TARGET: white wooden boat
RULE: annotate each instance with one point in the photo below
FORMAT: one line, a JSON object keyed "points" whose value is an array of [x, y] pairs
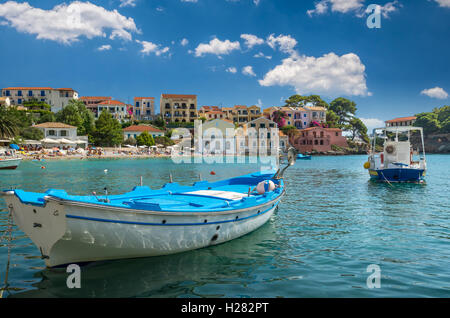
{"points": [[9, 163], [144, 222]]}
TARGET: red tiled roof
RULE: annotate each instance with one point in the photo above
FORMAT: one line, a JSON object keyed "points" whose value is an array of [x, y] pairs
{"points": [[142, 128], [38, 88], [317, 127], [240, 106], [401, 119], [53, 125], [215, 112], [139, 98], [111, 102], [28, 88], [178, 96], [96, 97]]}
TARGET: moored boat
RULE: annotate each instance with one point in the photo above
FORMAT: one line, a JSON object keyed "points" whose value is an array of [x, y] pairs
{"points": [[301, 156], [144, 222], [396, 163], [10, 163]]}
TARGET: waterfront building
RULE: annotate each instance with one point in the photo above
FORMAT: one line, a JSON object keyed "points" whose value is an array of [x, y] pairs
{"points": [[144, 108], [117, 109], [261, 133], [239, 114], [57, 98], [91, 102], [215, 139], [61, 134], [178, 108], [299, 117], [317, 138], [136, 130], [401, 121]]}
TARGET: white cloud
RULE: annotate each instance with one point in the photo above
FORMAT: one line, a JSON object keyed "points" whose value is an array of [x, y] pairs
{"points": [[67, 23], [443, 3], [184, 42], [127, 3], [217, 47], [105, 47], [231, 69], [261, 55], [329, 75], [346, 6], [256, 2], [286, 43], [251, 40], [248, 70], [385, 10], [436, 92], [342, 6], [372, 123], [260, 104], [149, 47]]}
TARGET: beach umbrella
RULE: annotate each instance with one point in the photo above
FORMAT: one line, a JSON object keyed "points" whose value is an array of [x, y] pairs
{"points": [[66, 141], [50, 141], [14, 146]]}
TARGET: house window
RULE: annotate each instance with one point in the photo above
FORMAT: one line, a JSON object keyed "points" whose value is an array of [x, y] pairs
{"points": [[19, 93], [63, 133], [337, 134], [8, 93], [30, 93], [42, 93], [321, 142], [51, 133], [304, 115], [262, 126], [137, 104], [19, 101]]}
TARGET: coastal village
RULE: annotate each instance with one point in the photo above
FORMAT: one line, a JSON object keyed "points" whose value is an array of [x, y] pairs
{"points": [[306, 122]]}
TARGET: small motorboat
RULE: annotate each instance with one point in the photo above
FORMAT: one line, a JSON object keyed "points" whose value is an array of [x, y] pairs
{"points": [[301, 156], [144, 222], [396, 163], [10, 163]]}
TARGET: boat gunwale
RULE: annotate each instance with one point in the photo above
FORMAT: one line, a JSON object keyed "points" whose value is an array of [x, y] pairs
{"points": [[117, 209]]}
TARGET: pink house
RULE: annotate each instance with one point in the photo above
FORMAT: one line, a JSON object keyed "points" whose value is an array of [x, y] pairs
{"points": [[318, 139]]}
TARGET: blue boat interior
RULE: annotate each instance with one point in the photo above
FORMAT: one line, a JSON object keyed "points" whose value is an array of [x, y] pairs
{"points": [[206, 196]]}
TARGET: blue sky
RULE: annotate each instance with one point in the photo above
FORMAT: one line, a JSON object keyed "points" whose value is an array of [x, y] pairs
{"points": [[234, 52]]}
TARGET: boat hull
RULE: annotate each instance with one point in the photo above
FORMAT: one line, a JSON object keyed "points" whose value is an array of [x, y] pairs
{"points": [[397, 175], [9, 164], [85, 233]]}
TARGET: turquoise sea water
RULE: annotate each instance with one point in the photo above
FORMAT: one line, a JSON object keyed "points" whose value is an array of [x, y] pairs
{"points": [[331, 225]]}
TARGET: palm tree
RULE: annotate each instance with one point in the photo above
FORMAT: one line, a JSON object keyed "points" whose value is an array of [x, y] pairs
{"points": [[8, 125]]}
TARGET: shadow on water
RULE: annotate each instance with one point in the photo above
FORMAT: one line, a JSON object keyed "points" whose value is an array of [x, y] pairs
{"points": [[164, 276]]}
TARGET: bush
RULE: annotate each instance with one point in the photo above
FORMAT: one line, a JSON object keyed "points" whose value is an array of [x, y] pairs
{"points": [[32, 133], [163, 140], [145, 139]]}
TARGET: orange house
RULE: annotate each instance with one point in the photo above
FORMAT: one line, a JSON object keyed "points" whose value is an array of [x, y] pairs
{"points": [[317, 138]]}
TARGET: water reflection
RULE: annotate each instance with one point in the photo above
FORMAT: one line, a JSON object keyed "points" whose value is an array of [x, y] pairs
{"points": [[165, 276]]}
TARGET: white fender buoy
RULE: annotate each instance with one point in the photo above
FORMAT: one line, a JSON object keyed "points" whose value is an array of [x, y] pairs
{"points": [[265, 186], [105, 171]]}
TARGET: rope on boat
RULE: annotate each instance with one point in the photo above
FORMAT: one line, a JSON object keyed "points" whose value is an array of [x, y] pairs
{"points": [[9, 239], [386, 179]]}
